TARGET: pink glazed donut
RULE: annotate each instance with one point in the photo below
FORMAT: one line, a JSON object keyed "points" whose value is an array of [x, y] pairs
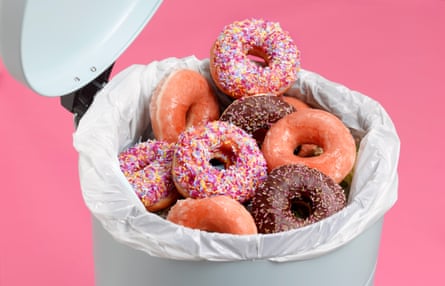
{"points": [[314, 127], [237, 75], [183, 98], [215, 214]]}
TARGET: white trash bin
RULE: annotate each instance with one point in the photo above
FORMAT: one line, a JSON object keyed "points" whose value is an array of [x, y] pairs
{"points": [[135, 247], [351, 264]]}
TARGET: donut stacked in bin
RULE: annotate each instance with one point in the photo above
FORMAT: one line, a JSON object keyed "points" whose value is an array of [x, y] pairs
{"points": [[266, 163]]}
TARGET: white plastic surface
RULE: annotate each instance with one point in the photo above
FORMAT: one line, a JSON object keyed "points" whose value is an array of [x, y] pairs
{"points": [[56, 47], [119, 117]]}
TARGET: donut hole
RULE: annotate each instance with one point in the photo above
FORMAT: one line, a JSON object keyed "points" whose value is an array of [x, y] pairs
{"points": [[258, 57], [217, 163], [188, 115], [223, 158], [308, 150], [301, 207], [191, 117]]}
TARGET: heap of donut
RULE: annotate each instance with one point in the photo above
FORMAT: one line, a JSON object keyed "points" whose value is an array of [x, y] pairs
{"points": [[266, 163]]}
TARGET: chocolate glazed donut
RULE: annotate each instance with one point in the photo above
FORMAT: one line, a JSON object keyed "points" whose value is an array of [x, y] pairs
{"points": [[293, 196], [255, 114]]}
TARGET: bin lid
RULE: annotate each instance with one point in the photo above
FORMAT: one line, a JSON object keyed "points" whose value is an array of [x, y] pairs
{"points": [[57, 47]]}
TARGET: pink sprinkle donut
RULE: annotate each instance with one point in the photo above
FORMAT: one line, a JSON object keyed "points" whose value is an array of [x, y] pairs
{"points": [[147, 167], [237, 75], [200, 149]]}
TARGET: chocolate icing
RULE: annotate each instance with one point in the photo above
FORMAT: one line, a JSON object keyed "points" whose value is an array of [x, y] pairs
{"points": [[255, 114], [293, 196]]}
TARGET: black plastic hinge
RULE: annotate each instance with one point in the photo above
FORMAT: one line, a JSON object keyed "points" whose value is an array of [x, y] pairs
{"points": [[79, 101]]}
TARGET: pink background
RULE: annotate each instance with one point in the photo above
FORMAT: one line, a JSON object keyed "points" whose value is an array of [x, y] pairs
{"points": [[392, 51]]}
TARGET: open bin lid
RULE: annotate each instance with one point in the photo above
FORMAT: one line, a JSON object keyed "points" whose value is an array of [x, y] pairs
{"points": [[57, 47]]}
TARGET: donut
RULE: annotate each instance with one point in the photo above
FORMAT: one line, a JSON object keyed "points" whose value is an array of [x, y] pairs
{"points": [[311, 126], [294, 196], [304, 150], [254, 56], [183, 98], [147, 167], [218, 158], [255, 114], [215, 214]]}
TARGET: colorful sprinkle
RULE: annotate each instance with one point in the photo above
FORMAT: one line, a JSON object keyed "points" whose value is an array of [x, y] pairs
{"points": [[239, 76], [147, 167], [244, 165]]}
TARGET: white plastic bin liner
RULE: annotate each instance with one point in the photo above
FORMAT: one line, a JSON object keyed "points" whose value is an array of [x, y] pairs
{"points": [[119, 117]]}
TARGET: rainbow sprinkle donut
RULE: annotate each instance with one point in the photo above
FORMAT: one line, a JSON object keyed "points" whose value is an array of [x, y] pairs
{"points": [[237, 75], [218, 158], [147, 167]]}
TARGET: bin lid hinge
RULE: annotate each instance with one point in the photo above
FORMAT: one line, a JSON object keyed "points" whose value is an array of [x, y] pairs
{"points": [[80, 100]]}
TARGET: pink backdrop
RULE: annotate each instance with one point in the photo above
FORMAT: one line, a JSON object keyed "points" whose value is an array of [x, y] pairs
{"points": [[392, 51]]}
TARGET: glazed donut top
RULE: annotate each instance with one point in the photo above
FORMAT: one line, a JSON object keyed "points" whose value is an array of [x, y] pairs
{"points": [[256, 37]]}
